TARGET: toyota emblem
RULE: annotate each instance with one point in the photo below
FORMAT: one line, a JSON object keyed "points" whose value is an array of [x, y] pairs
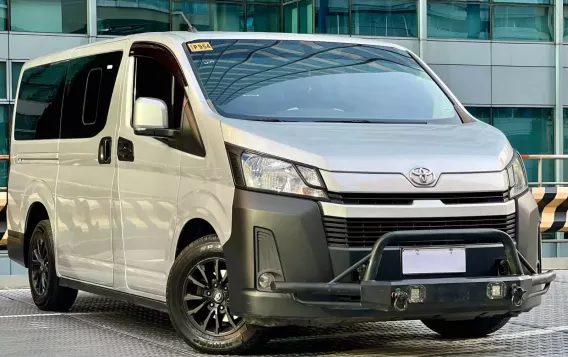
{"points": [[422, 176]]}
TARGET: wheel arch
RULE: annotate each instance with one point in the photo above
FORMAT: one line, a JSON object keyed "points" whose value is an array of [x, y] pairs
{"points": [[37, 212], [192, 230], [38, 204]]}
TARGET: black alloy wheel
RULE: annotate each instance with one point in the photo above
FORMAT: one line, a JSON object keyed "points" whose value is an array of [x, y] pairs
{"points": [[206, 294], [199, 305], [40, 264]]}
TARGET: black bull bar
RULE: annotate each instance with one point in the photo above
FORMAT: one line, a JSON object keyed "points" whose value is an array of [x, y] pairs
{"points": [[506, 292]]}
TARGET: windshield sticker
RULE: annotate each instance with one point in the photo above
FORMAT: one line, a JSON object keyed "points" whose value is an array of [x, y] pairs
{"points": [[200, 46]]}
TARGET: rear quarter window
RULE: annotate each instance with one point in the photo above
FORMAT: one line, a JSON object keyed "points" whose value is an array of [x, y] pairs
{"points": [[38, 106]]}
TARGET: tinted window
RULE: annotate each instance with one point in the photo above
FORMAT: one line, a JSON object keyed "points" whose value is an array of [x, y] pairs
{"points": [[318, 81], [156, 80], [38, 108], [90, 84]]}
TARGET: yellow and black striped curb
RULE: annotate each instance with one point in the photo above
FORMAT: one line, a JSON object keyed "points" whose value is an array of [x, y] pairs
{"points": [[552, 204]]}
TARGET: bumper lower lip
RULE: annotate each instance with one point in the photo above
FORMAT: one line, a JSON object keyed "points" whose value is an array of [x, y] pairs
{"points": [[438, 295]]}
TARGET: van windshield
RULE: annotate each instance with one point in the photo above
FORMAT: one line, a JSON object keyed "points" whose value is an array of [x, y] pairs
{"points": [[291, 80]]}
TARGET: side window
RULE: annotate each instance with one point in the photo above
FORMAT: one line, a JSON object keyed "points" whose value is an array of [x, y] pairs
{"points": [[38, 108], [90, 85], [158, 76], [156, 80]]}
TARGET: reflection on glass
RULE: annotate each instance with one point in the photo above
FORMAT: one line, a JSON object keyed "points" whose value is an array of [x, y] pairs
{"points": [[263, 18], [3, 15], [530, 131], [58, 16], [523, 23], [306, 14], [208, 16], [3, 89], [384, 18], [16, 69], [332, 16], [465, 21], [546, 2], [565, 22], [315, 81], [124, 17], [481, 113]]}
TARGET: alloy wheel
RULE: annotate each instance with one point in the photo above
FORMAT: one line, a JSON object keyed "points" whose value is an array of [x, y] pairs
{"points": [[40, 265], [206, 298]]}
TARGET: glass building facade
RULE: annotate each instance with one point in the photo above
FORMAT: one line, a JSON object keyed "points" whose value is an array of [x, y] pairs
{"points": [[506, 60]]}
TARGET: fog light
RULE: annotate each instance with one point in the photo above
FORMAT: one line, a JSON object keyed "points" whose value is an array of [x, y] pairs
{"points": [[265, 279], [496, 290], [416, 294]]}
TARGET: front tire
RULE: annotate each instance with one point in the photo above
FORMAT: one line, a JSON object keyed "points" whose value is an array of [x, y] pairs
{"points": [[47, 294], [199, 305], [474, 328]]}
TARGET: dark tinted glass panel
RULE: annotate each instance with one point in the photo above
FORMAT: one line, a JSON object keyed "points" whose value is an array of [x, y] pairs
{"points": [[263, 18], [481, 113], [156, 80], [3, 88], [530, 131], [89, 91], [384, 18], [291, 18], [92, 93], [523, 23], [208, 16], [16, 69], [565, 22], [3, 15], [59, 16], [315, 81], [4, 143], [38, 108], [306, 16], [547, 2], [124, 17], [332, 16], [467, 21]]}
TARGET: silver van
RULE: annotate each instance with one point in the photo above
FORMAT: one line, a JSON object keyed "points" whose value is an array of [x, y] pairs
{"points": [[241, 181]]}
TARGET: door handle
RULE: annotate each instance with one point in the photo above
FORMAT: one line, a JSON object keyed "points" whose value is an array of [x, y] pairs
{"points": [[125, 150], [105, 148]]}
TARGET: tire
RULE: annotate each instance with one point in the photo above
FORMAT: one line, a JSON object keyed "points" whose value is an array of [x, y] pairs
{"points": [[474, 328], [209, 304], [47, 294]]}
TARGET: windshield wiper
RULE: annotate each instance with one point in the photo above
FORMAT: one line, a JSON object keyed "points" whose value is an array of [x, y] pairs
{"points": [[382, 121]]}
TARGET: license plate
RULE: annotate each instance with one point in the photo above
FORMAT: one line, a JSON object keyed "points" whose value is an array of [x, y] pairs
{"points": [[433, 260]]}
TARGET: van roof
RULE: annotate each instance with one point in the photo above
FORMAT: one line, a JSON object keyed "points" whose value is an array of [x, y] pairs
{"points": [[184, 36]]}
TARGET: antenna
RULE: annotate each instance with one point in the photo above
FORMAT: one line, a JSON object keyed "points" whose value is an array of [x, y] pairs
{"points": [[191, 28]]}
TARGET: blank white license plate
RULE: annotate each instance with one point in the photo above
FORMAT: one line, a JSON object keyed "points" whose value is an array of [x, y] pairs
{"points": [[433, 260]]}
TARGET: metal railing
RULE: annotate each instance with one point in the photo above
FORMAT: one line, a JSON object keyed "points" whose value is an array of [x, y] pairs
{"points": [[539, 158], [541, 183]]}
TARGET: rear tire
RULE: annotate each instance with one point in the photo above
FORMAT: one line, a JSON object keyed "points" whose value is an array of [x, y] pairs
{"points": [[47, 294], [474, 328], [198, 302]]}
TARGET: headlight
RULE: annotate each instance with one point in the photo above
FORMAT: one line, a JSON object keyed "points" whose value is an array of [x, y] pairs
{"points": [[270, 174], [518, 182]]}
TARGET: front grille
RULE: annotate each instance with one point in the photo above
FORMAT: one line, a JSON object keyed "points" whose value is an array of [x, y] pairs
{"points": [[452, 198], [364, 232]]}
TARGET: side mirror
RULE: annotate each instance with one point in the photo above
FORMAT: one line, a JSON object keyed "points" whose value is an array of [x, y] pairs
{"points": [[151, 118]]}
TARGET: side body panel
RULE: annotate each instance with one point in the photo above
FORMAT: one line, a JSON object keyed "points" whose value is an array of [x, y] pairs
{"points": [[83, 199]]}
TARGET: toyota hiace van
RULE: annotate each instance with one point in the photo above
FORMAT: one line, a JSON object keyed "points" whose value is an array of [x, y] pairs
{"points": [[240, 181]]}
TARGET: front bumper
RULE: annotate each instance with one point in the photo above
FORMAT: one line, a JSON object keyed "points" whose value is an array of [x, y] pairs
{"points": [[286, 236], [506, 293]]}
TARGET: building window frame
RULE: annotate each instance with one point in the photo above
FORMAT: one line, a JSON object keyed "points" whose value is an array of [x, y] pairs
{"points": [[9, 77], [492, 4]]}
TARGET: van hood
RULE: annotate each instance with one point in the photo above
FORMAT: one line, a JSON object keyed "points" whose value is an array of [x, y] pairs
{"points": [[376, 148]]}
